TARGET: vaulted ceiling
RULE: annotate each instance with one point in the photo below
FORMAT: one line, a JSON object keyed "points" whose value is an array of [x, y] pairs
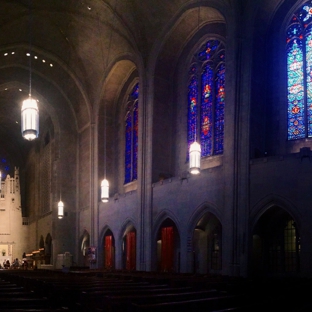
{"points": [[73, 43]]}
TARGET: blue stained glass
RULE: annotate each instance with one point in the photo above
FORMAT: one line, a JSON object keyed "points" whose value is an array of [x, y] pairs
{"points": [[135, 92], [208, 50], [305, 13], [296, 110], [206, 111], [135, 142], [128, 131], [294, 31], [299, 73], [219, 110], [309, 78], [131, 136], [192, 108], [211, 81], [5, 167]]}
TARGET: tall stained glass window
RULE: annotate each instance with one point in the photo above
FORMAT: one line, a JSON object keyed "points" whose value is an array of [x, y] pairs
{"points": [[5, 167], [206, 95], [131, 136], [299, 73]]}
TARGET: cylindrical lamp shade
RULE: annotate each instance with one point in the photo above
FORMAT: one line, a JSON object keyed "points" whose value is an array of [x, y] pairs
{"points": [[30, 119], [104, 191], [194, 156], [60, 210]]}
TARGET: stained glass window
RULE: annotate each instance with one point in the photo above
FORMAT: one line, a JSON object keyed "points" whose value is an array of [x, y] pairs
{"points": [[5, 167], [131, 136], [299, 73], [206, 113]]}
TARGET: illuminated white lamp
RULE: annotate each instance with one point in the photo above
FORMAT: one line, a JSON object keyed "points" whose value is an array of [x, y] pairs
{"points": [[104, 191], [60, 210], [30, 119], [194, 156]]}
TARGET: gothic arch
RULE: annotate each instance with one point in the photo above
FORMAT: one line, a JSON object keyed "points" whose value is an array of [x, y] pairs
{"points": [[128, 245], [205, 239], [46, 87], [166, 245], [199, 212], [108, 245], [85, 241], [269, 201], [275, 239], [162, 216], [120, 74], [202, 18], [127, 225], [100, 246]]}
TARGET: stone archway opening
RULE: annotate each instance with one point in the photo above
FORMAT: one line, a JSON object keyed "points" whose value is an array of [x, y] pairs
{"points": [[207, 245], [109, 250], [276, 244], [129, 249], [168, 247]]}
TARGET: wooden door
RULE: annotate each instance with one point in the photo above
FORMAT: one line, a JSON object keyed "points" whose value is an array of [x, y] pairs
{"points": [[108, 252], [167, 249], [130, 251]]}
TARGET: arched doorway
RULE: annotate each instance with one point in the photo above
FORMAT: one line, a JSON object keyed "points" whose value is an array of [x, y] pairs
{"points": [[109, 250], [168, 247], [129, 249], [207, 245], [275, 244], [85, 244]]}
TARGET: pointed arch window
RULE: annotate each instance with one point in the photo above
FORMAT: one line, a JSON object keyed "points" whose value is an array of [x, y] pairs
{"points": [[131, 136], [206, 98], [299, 73]]}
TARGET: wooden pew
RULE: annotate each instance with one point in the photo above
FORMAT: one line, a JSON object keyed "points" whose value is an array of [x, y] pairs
{"points": [[124, 302], [96, 299], [203, 304]]}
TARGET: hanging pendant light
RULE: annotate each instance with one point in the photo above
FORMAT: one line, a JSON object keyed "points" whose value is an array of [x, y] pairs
{"points": [[195, 149], [104, 191], [104, 183], [194, 156], [30, 119], [60, 205], [30, 112], [60, 210]]}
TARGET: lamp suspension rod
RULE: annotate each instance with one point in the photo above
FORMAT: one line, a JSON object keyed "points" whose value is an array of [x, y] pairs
{"points": [[106, 66], [105, 121], [60, 170], [30, 44], [198, 22]]}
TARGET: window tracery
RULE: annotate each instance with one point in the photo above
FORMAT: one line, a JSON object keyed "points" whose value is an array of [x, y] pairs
{"points": [[206, 98], [299, 73], [131, 136]]}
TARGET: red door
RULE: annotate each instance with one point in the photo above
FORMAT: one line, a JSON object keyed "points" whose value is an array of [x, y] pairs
{"points": [[167, 251], [108, 251], [130, 251]]}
